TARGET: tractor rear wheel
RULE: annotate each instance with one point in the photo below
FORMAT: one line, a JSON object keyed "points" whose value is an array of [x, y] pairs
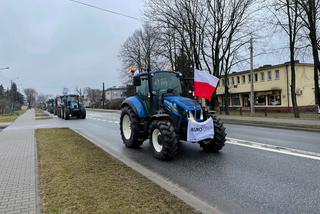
{"points": [[218, 142], [62, 114], [163, 139], [66, 114], [130, 128]]}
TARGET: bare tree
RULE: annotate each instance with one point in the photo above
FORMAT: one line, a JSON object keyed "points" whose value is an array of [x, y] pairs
{"points": [[31, 96], [142, 49], [42, 98], [311, 17], [287, 14], [93, 96]]}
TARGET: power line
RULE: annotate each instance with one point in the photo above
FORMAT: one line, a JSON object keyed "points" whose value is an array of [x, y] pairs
{"points": [[105, 10]]}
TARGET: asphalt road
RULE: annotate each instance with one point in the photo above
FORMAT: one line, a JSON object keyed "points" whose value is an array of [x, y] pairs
{"points": [[238, 179]]}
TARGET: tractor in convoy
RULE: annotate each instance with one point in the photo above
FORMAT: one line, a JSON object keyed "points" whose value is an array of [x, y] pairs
{"points": [[159, 113], [50, 106], [70, 106], [57, 106]]}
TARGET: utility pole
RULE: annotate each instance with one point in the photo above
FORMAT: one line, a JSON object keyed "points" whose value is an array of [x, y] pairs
{"points": [[103, 95], [252, 79], [11, 96]]}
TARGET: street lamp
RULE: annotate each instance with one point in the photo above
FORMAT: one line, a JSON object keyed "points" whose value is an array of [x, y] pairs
{"points": [[5, 68]]}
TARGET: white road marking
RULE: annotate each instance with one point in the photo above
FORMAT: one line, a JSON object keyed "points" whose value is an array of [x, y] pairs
{"points": [[273, 148], [238, 142], [111, 120]]}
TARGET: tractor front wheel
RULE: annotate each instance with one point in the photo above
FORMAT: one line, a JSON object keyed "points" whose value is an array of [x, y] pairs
{"points": [[130, 128], [218, 142], [83, 113], [163, 139]]}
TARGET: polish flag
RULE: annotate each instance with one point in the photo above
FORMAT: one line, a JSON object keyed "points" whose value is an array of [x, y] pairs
{"points": [[205, 84]]}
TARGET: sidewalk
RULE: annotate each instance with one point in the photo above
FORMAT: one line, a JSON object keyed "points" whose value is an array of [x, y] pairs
{"points": [[18, 189], [276, 122]]}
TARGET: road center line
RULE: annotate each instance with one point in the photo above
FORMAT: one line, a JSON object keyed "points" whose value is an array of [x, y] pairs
{"points": [[273, 148]]}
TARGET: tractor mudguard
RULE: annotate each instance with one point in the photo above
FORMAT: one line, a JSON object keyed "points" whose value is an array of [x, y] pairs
{"points": [[136, 105]]}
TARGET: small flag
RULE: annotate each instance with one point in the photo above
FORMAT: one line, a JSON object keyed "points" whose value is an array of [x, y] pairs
{"points": [[205, 84]]}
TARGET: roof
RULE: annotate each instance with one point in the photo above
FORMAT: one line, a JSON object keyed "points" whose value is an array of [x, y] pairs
{"points": [[268, 67], [118, 88]]}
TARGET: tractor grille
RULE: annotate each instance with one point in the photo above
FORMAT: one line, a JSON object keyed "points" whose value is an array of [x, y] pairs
{"points": [[196, 114]]}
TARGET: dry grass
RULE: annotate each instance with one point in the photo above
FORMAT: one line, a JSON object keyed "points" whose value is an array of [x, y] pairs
{"points": [[41, 115], [78, 177], [303, 116], [7, 118]]}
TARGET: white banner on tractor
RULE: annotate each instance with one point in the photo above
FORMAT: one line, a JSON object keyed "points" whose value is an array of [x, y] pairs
{"points": [[198, 131]]}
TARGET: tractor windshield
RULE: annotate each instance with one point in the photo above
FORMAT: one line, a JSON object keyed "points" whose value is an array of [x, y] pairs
{"points": [[72, 98], [166, 82]]}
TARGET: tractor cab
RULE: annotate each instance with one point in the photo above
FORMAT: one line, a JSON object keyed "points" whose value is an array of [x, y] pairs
{"points": [[71, 107], [166, 95], [160, 113], [72, 101], [50, 106], [162, 84]]}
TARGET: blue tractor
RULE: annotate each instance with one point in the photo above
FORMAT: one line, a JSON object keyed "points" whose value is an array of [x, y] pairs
{"points": [[159, 113]]}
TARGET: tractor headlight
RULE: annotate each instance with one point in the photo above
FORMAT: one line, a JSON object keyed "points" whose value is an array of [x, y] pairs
{"points": [[201, 116], [191, 116]]}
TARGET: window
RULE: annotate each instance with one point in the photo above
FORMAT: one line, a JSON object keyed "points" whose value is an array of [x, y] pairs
{"points": [[277, 75], [262, 76], [274, 99], [249, 78], [232, 80], [235, 99], [256, 77], [142, 90], [261, 100], [244, 79], [238, 80], [228, 82], [269, 76]]}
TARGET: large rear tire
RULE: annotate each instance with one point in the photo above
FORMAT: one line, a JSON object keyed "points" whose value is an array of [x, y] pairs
{"points": [[218, 142], [62, 114], [163, 139], [66, 114], [130, 128]]}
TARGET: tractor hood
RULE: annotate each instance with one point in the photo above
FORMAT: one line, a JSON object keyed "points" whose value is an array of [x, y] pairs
{"points": [[183, 102]]}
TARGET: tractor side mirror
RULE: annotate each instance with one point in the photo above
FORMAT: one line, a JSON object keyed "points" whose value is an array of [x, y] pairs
{"points": [[136, 81]]}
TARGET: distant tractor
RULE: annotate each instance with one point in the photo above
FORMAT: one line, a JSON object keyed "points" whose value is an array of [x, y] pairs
{"points": [[57, 106], [71, 107], [159, 113], [50, 106]]}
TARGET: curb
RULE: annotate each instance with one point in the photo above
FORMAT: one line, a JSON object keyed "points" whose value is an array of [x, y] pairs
{"points": [[37, 179], [270, 125], [4, 125], [173, 188]]}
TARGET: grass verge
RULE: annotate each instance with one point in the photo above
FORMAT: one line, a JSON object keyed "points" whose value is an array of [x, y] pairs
{"points": [[275, 125], [303, 116], [41, 115], [7, 118], [78, 177]]}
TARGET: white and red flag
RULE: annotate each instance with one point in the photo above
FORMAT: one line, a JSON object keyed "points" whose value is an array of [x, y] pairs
{"points": [[205, 84]]}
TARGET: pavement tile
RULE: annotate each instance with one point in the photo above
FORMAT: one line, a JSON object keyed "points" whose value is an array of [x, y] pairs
{"points": [[18, 193]]}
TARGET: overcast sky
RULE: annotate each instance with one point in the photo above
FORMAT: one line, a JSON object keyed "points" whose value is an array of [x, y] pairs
{"points": [[50, 45]]}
